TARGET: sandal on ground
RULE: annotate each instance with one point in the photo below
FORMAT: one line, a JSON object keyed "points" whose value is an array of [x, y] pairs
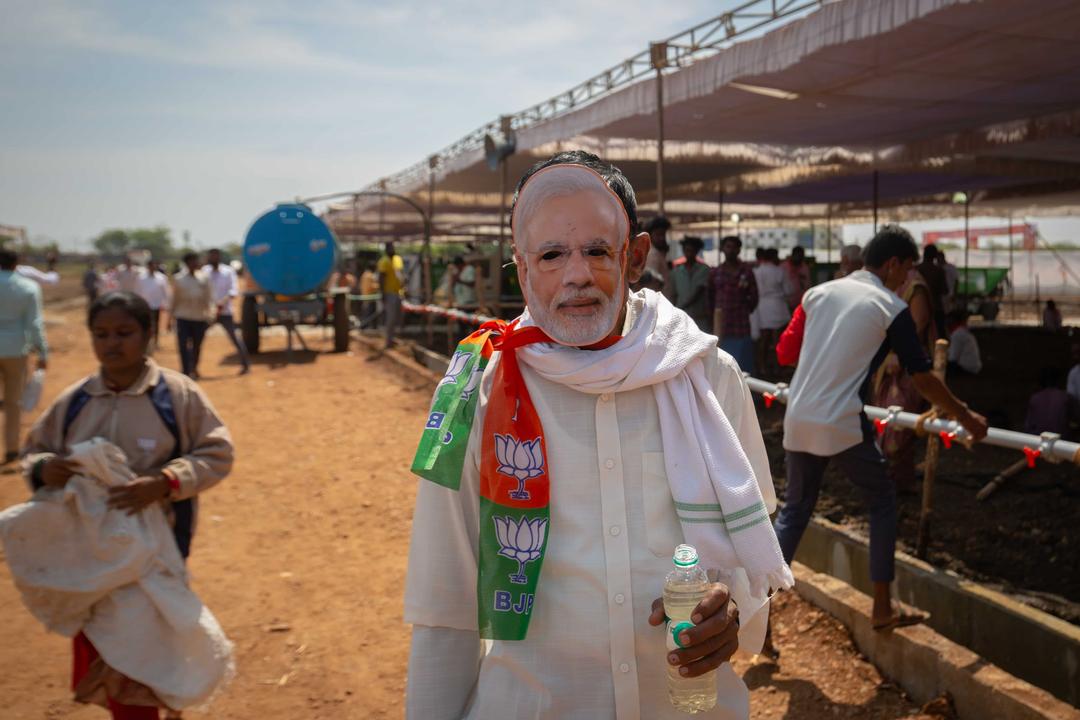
{"points": [[901, 619], [770, 653]]}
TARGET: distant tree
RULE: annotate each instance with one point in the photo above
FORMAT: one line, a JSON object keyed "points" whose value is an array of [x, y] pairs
{"points": [[157, 240], [113, 242], [233, 251]]}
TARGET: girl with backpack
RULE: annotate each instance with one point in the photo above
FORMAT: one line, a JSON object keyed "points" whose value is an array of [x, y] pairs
{"points": [[174, 440]]}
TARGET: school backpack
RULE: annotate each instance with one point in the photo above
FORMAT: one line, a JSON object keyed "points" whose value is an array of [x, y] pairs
{"points": [[161, 399]]}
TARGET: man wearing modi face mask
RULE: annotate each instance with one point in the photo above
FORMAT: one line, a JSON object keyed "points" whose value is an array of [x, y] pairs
{"points": [[568, 452]]}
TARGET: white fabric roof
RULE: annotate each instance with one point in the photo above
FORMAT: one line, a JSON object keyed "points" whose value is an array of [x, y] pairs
{"points": [[868, 74], [938, 95]]}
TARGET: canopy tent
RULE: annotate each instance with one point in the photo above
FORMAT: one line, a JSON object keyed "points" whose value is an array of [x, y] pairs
{"points": [[927, 97], [863, 74]]}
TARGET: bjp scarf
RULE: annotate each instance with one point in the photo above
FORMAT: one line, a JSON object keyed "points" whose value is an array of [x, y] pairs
{"points": [[514, 490]]}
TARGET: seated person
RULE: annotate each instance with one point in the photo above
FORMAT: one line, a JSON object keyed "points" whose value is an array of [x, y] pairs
{"points": [[964, 358], [1048, 409]]}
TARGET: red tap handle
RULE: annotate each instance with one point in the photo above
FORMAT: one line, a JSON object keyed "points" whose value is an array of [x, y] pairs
{"points": [[1031, 454], [769, 399], [947, 438], [880, 424]]}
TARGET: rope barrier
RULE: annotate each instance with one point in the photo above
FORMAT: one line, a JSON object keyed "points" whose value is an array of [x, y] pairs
{"points": [[1048, 446], [450, 313]]}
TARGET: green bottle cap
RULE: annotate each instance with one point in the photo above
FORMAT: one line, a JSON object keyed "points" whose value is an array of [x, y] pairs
{"points": [[677, 630], [685, 556]]}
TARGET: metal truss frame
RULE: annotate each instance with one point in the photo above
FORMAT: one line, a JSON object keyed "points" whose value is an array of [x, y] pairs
{"points": [[680, 50]]}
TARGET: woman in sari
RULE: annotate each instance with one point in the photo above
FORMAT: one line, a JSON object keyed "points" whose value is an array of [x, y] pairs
{"points": [[893, 386]]}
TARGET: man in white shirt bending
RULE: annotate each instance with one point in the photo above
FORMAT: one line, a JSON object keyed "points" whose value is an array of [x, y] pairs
{"points": [[224, 284], [838, 337], [566, 455]]}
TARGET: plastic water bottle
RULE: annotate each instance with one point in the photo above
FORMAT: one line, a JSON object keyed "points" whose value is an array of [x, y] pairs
{"points": [[684, 588]]}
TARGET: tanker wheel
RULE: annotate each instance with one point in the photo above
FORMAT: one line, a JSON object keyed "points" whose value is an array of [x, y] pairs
{"points": [[249, 324], [341, 322]]}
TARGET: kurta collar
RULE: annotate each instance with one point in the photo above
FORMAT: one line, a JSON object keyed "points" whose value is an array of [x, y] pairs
{"points": [[150, 377]]}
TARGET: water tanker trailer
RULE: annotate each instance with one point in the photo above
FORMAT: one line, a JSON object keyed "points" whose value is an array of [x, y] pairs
{"points": [[290, 253]]}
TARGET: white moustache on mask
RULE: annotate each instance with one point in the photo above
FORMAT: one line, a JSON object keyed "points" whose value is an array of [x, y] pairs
{"points": [[577, 330]]}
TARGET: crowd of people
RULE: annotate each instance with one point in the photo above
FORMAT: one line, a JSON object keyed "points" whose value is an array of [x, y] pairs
{"points": [[199, 294], [745, 304], [192, 300]]}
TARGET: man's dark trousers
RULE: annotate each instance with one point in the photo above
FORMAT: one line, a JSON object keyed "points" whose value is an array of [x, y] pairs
{"points": [[189, 338], [865, 467], [229, 324]]}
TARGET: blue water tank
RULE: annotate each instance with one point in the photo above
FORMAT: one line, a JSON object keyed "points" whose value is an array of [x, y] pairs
{"points": [[290, 250]]}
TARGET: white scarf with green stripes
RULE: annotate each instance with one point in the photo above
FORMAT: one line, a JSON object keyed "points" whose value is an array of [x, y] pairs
{"points": [[717, 496]]}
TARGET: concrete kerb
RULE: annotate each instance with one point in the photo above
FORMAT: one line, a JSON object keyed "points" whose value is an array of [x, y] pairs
{"points": [[920, 660], [927, 664], [404, 358], [1034, 646]]}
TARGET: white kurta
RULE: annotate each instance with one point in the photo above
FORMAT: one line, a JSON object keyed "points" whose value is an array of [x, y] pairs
{"points": [[774, 287], [590, 652]]}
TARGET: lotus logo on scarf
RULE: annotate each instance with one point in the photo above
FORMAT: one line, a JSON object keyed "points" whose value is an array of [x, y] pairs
{"points": [[521, 460], [474, 381], [520, 540], [457, 364]]}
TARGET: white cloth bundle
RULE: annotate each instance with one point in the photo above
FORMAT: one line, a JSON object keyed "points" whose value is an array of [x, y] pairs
{"points": [[723, 508], [119, 578]]}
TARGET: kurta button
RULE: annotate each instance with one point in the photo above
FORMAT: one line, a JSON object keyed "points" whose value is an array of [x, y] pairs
{"points": [[619, 599], [606, 397], [609, 463], [624, 668], [615, 530]]}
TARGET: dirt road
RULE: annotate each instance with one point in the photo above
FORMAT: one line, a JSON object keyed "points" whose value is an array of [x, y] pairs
{"points": [[301, 554]]}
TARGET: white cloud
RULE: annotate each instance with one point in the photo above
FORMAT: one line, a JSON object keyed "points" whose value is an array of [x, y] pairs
{"points": [[226, 39]]}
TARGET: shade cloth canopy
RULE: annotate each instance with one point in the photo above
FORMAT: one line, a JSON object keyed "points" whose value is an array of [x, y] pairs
{"points": [[932, 96]]}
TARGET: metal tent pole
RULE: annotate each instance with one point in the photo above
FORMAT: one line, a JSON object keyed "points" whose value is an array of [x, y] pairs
{"points": [[828, 234], [658, 52], [356, 232], [967, 247], [433, 161], [428, 293], [502, 237], [1012, 280], [875, 200], [720, 218]]}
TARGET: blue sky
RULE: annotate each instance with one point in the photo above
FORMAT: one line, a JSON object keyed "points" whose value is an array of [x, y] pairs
{"points": [[200, 115]]}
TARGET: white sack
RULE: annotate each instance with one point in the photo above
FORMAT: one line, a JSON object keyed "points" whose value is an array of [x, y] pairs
{"points": [[117, 577]]}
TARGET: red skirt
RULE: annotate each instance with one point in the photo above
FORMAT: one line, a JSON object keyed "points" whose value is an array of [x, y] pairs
{"points": [[83, 659]]}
